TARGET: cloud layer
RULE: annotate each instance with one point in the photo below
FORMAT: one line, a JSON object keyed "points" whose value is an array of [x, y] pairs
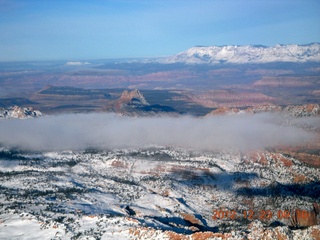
{"points": [[105, 131], [77, 63]]}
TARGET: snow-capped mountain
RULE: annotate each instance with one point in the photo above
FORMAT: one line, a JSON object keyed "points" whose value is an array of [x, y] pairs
{"points": [[247, 54]]}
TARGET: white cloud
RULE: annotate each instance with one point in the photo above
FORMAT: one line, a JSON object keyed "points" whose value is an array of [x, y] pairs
{"points": [[105, 131], [77, 63]]}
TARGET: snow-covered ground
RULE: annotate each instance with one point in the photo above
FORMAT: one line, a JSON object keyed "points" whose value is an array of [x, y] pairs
{"points": [[152, 193]]}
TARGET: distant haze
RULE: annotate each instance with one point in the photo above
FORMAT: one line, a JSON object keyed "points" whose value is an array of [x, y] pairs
{"points": [[105, 131]]}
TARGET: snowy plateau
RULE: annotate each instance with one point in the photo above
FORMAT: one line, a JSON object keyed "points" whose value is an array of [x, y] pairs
{"points": [[154, 193], [247, 54]]}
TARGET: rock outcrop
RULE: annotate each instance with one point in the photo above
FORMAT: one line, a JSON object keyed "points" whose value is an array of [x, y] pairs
{"points": [[133, 103], [134, 97], [19, 112]]}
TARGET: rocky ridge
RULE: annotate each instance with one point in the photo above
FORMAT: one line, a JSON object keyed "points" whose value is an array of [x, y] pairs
{"points": [[307, 110]]}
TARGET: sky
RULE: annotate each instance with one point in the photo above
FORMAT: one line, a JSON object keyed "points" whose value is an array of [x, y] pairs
{"points": [[104, 29]]}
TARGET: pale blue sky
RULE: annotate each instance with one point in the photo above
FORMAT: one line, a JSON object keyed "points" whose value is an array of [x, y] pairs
{"points": [[96, 29]]}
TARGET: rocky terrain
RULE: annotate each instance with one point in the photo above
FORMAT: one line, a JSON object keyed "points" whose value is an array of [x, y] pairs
{"points": [[19, 112], [227, 98], [57, 100]]}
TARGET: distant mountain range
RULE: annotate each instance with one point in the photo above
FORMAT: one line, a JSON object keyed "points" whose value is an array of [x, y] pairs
{"points": [[247, 54]]}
